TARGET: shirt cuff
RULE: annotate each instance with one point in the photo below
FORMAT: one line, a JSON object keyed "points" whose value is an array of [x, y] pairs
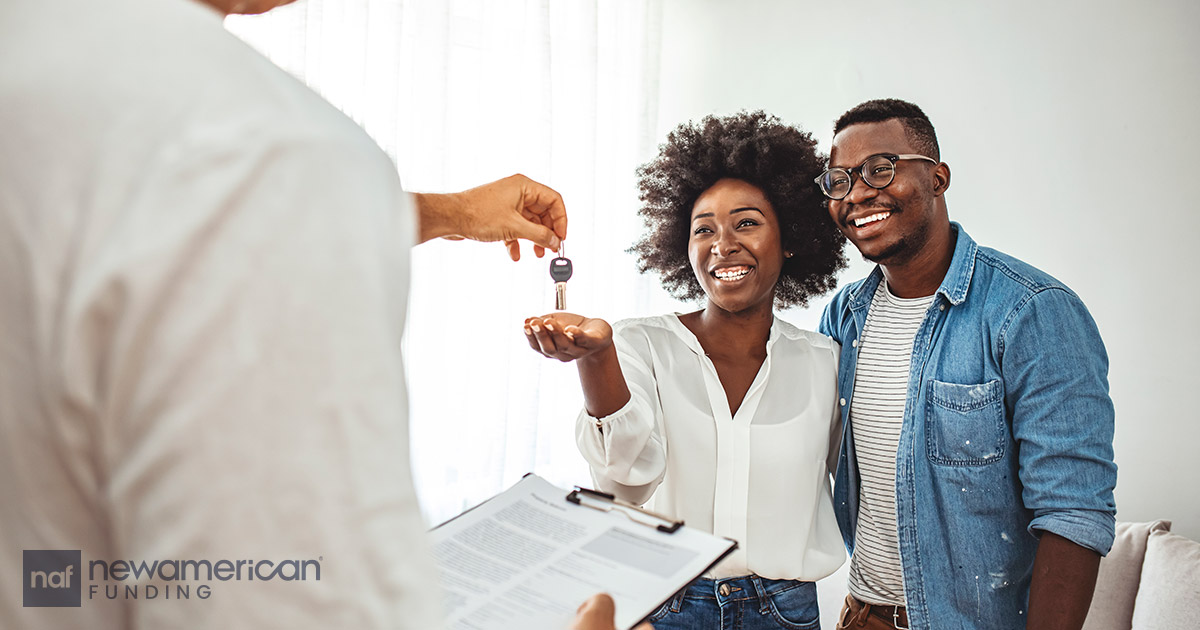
{"points": [[1086, 528], [600, 423]]}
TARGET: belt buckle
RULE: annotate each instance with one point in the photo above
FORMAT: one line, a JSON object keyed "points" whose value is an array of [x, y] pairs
{"points": [[896, 619]]}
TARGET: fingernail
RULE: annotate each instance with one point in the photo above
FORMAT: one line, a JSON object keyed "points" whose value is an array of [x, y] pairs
{"points": [[555, 242], [528, 331], [570, 335], [549, 326], [536, 328]]}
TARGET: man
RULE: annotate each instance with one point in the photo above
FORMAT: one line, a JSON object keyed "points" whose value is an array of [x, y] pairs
{"points": [[975, 481], [203, 284]]}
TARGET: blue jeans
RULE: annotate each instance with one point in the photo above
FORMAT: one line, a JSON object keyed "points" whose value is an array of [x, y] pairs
{"points": [[744, 603]]}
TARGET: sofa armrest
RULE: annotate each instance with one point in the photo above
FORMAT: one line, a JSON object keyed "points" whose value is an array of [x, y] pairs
{"points": [[1119, 578]]}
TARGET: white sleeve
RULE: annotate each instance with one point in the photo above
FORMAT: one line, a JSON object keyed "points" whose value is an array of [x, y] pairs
{"points": [[252, 392], [626, 452]]}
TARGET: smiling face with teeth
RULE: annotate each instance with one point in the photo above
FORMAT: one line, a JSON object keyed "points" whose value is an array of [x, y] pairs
{"points": [[735, 246], [895, 225]]}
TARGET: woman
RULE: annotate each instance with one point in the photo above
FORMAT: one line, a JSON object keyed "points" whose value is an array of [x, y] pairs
{"points": [[724, 417]]}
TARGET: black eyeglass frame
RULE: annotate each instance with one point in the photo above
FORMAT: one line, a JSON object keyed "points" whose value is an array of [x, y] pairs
{"points": [[893, 158]]}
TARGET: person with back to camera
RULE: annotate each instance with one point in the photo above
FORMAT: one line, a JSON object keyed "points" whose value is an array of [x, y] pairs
{"points": [[204, 276], [725, 417]]}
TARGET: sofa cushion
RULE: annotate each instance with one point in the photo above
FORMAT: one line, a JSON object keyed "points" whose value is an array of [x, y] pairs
{"points": [[1169, 596], [1120, 574]]}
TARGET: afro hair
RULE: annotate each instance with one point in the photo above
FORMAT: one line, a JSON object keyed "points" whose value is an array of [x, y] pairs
{"points": [[757, 148]]}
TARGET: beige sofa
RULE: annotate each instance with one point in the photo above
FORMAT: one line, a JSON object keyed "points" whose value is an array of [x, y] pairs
{"points": [[1149, 581]]}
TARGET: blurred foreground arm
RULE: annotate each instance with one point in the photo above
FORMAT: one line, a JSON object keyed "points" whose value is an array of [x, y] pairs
{"points": [[508, 209]]}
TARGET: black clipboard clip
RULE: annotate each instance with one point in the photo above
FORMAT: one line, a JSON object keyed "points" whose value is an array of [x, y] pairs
{"points": [[606, 502]]}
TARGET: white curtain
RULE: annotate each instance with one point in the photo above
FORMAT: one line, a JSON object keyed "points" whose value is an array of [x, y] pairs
{"points": [[460, 92]]}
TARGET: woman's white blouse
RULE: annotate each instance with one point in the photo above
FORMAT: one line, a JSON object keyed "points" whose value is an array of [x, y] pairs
{"points": [[760, 477]]}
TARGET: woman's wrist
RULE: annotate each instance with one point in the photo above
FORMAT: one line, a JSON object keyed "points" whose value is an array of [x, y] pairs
{"points": [[599, 356], [604, 389]]}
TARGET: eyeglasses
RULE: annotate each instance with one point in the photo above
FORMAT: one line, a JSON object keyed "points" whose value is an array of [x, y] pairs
{"points": [[877, 171]]}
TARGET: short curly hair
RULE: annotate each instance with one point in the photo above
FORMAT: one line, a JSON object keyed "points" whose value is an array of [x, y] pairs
{"points": [[757, 148], [916, 124]]}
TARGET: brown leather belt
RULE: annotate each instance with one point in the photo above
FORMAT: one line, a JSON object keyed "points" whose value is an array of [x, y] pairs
{"points": [[892, 616]]}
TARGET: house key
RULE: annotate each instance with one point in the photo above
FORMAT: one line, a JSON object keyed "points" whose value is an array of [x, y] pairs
{"points": [[560, 271]]}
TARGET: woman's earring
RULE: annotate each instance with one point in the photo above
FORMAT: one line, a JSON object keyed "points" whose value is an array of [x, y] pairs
{"points": [[787, 254]]}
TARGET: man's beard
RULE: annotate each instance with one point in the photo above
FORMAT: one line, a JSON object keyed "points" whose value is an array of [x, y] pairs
{"points": [[886, 255], [904, 249]]}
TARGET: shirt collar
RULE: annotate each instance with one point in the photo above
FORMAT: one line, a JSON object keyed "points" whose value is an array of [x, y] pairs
{"points": [[962, 266], [954, 286], [690, 340]]}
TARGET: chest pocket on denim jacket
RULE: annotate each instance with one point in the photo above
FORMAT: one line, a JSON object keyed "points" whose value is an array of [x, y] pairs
{"points": [[964, 424]]}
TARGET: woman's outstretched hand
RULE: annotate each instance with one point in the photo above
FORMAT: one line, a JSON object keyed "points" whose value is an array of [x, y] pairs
{"points": [[567, 336]]}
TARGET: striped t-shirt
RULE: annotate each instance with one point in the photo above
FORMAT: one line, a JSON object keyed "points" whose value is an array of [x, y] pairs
{"points": [[876, 414]]}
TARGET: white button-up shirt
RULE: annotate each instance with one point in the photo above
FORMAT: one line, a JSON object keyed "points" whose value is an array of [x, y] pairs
{"points": [[759, 476]]}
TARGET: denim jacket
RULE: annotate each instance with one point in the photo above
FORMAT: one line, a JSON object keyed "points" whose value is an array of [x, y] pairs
{"points": [[1007, 429]]}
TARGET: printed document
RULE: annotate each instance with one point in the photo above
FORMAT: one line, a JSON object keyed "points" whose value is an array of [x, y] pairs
{"points": [[527, 558]]}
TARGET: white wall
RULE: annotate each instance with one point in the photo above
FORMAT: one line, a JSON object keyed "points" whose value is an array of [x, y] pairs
{"points": [[1071, 130]]}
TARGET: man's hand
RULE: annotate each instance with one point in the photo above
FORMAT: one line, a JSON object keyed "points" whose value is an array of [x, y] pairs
{"points": [[597, 614], [512, 208]]}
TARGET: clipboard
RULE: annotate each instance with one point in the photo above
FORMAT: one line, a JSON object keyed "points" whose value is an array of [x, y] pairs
{"points": [[530, 555], [608, 502]]}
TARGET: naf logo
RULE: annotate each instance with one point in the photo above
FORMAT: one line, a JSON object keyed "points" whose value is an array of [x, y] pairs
{"points": [[53, 578]]}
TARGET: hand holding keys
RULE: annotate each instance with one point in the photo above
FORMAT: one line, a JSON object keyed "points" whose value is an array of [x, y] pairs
{"points": [[560, 271]]}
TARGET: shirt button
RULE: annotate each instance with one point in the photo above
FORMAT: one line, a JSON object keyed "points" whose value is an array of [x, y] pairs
{"points": [[724, 590], [854, 344], [941, 307], [842, 402]]}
